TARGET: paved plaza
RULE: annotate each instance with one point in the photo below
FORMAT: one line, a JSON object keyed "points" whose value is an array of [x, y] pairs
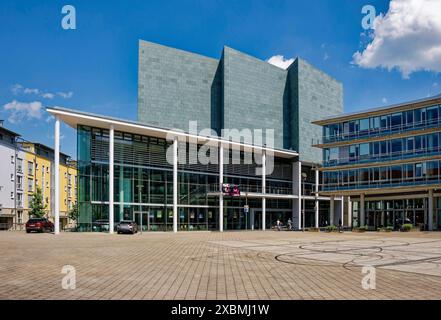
{"points": [[229, 265]]}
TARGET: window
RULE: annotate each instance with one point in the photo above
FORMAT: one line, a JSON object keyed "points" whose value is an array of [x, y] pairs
{"points": [[31, 185], [432, 115], [409, 171], [396, 146], [19, 217], [19, 165], [396, 121], [410, 145], [384, 173], [333, 155], [396, 173], [364, 150], [353, 152], [364, 125], [376, 123], [19, 182], [12, 195], [12, 159], [420, 144], [419, 117], [375, 149], [19, 200], [432, 142], [343, 155], [409, 119], [420, 170], [30, 168], [384, 150], [384, 122], [364, 176], [12, 177], [432, 170]]}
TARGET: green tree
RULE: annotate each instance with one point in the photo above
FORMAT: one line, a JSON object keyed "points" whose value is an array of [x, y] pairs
{"points": [[36, 205], [73, 213]]}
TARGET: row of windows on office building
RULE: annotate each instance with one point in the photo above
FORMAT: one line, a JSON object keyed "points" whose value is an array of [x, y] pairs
{"points": [[383, 150], [384, 124], [392, 175]]}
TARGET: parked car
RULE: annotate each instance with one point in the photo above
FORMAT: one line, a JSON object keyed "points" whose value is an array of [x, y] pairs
{"points": [[39, 225], [100, 226], [127, 226]]}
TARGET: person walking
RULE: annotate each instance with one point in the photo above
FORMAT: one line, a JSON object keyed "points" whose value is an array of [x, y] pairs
{"points": [[289, 224], [278, 225], [340, 226]]}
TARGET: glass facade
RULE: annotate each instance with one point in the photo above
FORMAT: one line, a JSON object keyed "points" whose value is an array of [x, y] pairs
{"points": [[410, 174], [386, 124], [143, 187], [403, 148], [383, 156], [391, 213]]}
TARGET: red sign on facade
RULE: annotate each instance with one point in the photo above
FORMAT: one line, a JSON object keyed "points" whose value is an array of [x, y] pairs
{"points": [[231, 190]]}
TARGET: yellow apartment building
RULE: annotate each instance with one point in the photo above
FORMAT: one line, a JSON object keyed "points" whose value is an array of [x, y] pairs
{"points": [[38, 165]]}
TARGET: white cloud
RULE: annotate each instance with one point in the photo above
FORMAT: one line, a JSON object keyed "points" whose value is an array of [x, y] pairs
{"points": [[384, 100], [17, 89], [20, 111], [31, 91], [48, 95], [65, 95], [406, 38], [280, 61]]}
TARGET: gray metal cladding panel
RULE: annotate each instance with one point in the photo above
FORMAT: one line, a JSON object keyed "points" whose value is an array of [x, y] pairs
{"points": [[175, 87], [319, 96], [253, 94]]}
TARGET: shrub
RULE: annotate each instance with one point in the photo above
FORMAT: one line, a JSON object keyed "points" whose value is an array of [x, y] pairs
{"points": [[360, 229], [407, 227], [331, 228]]}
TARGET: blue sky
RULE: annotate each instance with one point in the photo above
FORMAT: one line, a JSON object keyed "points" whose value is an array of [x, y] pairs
{"points": [[94, 68]]}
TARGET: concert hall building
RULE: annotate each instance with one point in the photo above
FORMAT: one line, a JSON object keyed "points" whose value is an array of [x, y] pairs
{"points": [[150, 170]]}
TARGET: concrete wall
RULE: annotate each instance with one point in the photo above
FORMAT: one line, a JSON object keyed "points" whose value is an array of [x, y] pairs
{"points": [[175, 87], [253, 94], [314, 95], [236, 92]]}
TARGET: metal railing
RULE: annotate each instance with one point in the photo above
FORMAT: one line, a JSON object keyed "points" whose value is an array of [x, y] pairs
{"points": [[390, 183], [399, 155], [377, 132]]}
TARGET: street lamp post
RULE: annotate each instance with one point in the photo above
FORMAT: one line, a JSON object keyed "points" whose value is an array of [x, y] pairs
{"points": [[304, 176]]}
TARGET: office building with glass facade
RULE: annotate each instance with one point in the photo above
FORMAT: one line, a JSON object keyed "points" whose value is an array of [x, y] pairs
{"points": [[135, 169], [386, 161]]}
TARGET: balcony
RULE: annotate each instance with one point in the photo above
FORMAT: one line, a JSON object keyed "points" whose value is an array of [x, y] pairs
{"points": [[391, 183], [379, 132], [390, 156]]}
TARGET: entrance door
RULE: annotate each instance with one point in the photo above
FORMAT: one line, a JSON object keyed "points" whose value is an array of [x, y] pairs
{"points": [[236, 219]]}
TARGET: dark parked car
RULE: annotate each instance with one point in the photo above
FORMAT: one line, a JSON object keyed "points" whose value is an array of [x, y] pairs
{"points": [[39, 225], [127, 226]]}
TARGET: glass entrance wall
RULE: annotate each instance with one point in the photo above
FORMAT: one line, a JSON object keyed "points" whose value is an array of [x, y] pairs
{"points": [[143, 186], [391, 213]]}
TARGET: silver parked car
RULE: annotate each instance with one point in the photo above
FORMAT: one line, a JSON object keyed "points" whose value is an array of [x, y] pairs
{"points": [[127, 226]]}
